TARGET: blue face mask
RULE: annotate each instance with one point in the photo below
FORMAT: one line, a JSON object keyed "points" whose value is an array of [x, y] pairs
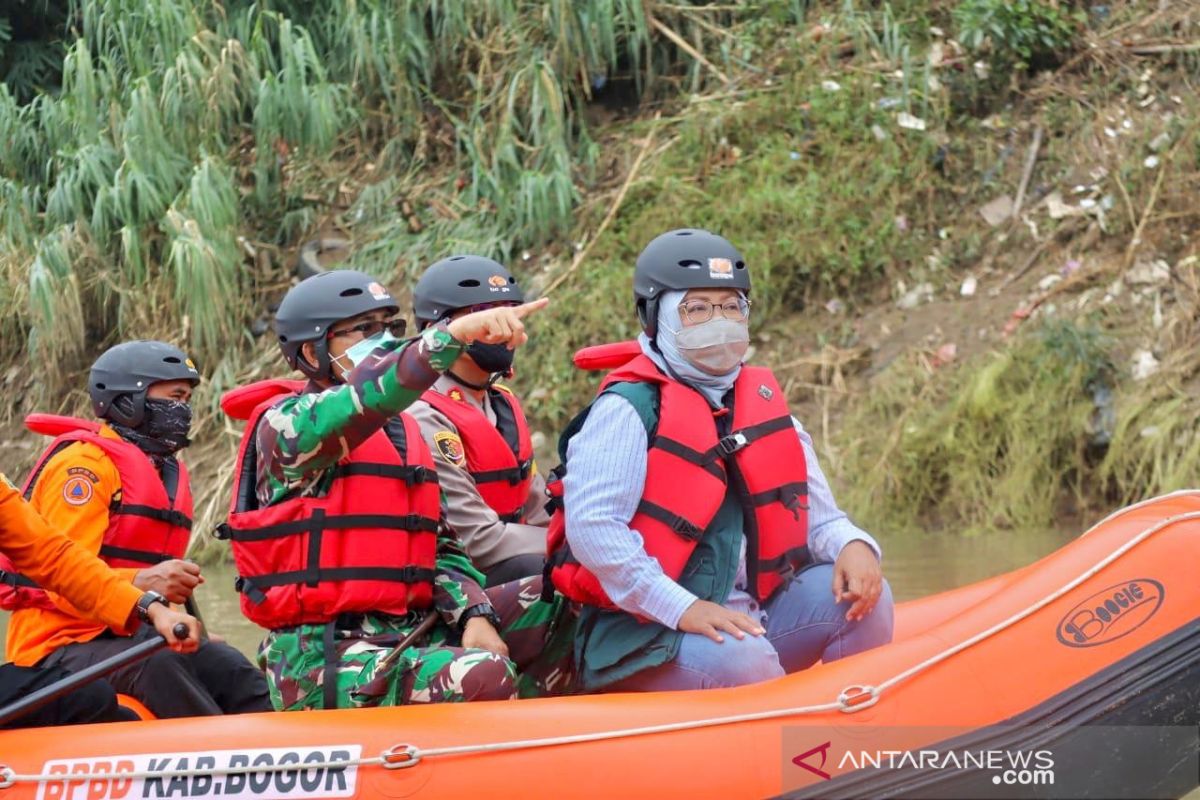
{"points": [[362, 350]]}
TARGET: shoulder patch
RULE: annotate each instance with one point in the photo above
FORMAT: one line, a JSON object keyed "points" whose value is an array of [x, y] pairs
{"points": [[77, 490], [451, 447], [84, 472], [456, 395]]}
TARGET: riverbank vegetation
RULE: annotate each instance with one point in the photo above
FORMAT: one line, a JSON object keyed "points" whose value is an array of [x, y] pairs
{"points": [[970, 222]]}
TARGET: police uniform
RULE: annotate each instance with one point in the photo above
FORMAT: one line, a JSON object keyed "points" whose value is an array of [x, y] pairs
{"points": [[503, 549]]}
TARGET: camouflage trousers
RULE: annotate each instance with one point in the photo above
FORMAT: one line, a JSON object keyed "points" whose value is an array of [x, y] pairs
{"points": [[435, 669]]}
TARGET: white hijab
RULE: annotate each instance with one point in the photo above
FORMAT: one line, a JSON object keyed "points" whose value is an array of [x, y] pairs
{"points": [[670, 360]]}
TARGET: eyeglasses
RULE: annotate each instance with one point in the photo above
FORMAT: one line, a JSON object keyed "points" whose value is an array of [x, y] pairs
{"points": [[372, 327], [697, 311]]}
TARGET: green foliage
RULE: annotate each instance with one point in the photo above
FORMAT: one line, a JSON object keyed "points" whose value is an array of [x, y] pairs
{"points": [[167, 132], [1030, 33], [996, 444], [794, 176], [31, 45]]}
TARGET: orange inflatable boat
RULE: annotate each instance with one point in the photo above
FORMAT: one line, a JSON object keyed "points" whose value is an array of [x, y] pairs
{"points": [[1076, 676]]}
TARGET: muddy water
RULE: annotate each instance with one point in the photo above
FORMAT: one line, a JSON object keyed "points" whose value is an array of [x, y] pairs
{"points": [[915, 565]]}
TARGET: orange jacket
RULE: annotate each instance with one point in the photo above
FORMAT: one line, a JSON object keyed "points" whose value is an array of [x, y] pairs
{"points": [[82, 517]]}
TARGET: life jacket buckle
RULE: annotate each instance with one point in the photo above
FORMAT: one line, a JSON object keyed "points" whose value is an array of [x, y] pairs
{"points": [[728, 445], [246, 586], [222, 532], [795, 503]]}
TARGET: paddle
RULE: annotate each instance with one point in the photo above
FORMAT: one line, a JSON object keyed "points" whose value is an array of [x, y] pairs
{"points": [[425, 627], [73, 681], [192, 607]]}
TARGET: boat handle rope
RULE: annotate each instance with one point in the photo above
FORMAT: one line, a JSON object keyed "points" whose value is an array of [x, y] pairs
{"points": [[853, 698]]}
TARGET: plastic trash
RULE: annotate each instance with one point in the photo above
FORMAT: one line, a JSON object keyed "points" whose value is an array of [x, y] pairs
{"points": [[1144, 365], [970, 285], [997, 211], [910, 122], [945, 354], [1153, 273], [920, 293]]}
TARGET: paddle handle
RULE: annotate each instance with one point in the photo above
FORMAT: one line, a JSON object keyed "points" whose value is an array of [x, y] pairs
{"points": [[192, 607], [48, 694], [425, 627]]}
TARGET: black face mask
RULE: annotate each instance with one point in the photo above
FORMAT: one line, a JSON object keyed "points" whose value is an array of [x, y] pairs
{"points": [[491, 357], [164, 429]]}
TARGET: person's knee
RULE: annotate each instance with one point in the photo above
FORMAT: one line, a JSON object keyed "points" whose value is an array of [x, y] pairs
{"points": [[754, 661], [734, 662], [878, 626], [164, 667], [223, 658], [479, 675]]}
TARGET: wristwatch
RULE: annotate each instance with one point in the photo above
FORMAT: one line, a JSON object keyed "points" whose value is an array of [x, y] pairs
{"points": [[145, 601], [479, 610]]}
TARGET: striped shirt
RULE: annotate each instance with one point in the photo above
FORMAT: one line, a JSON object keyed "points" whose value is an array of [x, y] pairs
{"points": [[603, 486]]}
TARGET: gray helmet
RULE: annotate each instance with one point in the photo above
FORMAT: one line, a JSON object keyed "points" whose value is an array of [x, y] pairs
{"points": [[316, 303], [130, 368], [460, 281], [688, 258]]}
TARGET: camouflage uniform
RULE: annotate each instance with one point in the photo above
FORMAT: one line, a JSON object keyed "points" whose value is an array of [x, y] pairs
{"points": [[299, 441]]}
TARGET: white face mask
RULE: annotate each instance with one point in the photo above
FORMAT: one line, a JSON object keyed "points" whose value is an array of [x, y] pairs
{"points": [[357, 354], [716, 346]]}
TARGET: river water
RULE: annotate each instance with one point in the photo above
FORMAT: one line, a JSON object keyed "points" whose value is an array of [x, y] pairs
{"points": [[915, 565]]}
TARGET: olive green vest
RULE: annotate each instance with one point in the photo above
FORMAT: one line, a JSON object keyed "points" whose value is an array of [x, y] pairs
{"points": [[613, 645]]}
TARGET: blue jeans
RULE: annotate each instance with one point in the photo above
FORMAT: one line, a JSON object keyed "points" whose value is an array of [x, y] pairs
{"points": [[803, 623]]}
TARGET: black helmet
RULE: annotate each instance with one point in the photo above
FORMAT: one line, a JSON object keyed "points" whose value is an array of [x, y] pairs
{"points": [[460, 281], [688, 258], [130, 368], [315, 303]]}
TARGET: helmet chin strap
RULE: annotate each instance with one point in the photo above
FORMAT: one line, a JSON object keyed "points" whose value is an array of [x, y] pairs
{"points": [[495, 376]]}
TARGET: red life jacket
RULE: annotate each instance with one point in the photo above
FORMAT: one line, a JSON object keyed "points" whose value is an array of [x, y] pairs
{"points": [[144, 527], [689, 467], [368, 545], [499, 457]]}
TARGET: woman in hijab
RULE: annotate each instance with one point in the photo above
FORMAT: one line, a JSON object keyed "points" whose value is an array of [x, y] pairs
{"points": [[703, 540]]}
